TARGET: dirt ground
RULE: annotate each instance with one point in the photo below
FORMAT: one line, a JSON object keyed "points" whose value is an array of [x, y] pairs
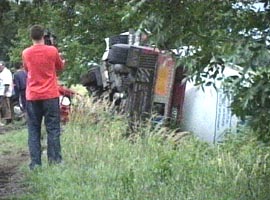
{"points": [[10, 175]]}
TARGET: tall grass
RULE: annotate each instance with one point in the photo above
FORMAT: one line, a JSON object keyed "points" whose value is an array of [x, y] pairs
{"points": [[100, 163], [13, 141]]}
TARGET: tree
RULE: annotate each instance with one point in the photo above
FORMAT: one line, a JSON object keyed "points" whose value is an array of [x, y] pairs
{"points": [[221, 32], [7, 31], [216, 33], [80, 27]]}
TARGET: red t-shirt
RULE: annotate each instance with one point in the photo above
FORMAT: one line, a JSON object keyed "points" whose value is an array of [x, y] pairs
{"points": [[41, 63]]}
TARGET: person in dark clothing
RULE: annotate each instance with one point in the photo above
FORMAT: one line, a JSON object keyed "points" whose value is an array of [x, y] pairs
{"points": [[19, 79]]}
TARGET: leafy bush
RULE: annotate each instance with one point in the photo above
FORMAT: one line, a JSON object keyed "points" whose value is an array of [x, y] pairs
{"points": [[250, 91]]}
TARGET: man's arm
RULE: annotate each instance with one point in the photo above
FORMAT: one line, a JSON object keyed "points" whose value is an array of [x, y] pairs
{"points": [[6, 89], [16, 82], [59, 63]]}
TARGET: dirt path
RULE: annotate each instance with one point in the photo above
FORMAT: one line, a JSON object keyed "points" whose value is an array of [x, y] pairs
{"points": [[10, 175]]}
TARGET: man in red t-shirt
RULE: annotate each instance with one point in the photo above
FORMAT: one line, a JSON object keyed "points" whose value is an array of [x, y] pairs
{"points": [[42, 62]]}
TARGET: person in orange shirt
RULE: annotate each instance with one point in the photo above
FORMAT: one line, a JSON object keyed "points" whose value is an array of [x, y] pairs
{"points": [[42, 63]]}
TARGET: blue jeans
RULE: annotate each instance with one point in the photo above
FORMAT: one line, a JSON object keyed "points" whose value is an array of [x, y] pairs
{"points": [[36, 110]]}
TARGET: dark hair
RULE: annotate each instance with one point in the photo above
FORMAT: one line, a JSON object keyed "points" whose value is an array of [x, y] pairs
{"points": [[36, 32], [18, 65]]}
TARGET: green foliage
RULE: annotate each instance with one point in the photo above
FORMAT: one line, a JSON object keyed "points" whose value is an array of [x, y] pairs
{"points": [[80, 28], [8, 29], [23, 37], [251, 100]]}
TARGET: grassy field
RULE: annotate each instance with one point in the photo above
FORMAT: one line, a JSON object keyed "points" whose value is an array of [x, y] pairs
{"points": [[100, 163], [13, 141]]}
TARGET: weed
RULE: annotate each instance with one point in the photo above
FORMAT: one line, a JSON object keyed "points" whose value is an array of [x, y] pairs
{"points": [[100, 162]]}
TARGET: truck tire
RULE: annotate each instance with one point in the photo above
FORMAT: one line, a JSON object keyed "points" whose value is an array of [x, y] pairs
{"points": [[118, 39], [118, 54]]}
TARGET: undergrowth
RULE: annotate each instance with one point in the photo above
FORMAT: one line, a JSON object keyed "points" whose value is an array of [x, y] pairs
{"points": [[101, 163]]}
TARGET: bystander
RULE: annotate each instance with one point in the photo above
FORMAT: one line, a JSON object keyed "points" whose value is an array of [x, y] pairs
{"points": [[19, 79], [6, 85], [42, 62]]}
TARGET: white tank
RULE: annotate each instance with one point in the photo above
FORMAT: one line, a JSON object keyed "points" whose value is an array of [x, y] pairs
{"points": [[207, 112]]}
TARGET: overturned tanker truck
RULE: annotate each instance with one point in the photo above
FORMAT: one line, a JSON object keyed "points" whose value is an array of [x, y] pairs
{"points": [[143, 82], [140, 81]]}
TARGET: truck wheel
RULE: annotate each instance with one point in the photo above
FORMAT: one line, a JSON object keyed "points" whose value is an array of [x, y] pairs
{"points": [[118, 54]]}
